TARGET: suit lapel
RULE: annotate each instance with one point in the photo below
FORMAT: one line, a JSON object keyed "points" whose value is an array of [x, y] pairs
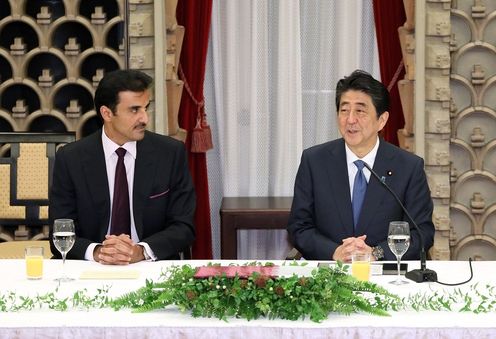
{"points": [[143, 179], [94, 168], [375, 192], [337, 170]]}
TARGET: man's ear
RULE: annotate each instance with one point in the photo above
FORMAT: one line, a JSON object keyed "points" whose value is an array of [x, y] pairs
{"points": [[106, 113], [383, 118]]}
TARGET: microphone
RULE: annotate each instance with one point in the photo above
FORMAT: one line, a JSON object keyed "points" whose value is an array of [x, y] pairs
{"points": [[422, 274]]}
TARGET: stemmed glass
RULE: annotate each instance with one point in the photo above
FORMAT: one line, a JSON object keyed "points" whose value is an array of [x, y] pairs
{"points": [[399, 241], [64, 235]]}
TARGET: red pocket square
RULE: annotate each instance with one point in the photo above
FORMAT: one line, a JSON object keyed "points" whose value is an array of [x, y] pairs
{"points": [[159, 194]]}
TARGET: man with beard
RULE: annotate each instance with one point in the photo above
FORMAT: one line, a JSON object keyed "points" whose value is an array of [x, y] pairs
{"points": [[128, 190]]}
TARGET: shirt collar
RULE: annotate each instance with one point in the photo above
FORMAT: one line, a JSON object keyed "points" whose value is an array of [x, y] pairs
{"points": [[369, 158], [109, 146]]}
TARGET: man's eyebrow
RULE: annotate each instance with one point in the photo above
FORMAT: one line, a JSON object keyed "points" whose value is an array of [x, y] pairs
{"points": [[360, 103]]}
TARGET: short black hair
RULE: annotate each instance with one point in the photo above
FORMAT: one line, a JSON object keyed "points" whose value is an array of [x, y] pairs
{"points": [[107, 92], [364, 82]]}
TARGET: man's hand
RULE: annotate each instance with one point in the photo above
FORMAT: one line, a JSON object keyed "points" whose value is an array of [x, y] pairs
{"points": [[350, 245], [118, 250]]}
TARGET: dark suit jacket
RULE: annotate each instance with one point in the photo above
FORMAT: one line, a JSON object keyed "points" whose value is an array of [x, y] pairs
{"points": [[321, 214], [163, 194]]}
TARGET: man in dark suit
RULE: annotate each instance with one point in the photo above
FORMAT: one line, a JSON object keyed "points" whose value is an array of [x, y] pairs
{"points": [[155, 218], [322, 225]]}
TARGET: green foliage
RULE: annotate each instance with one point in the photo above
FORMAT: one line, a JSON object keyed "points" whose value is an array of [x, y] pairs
{"points": [[473, 299], [11, 302], [327, 290]]}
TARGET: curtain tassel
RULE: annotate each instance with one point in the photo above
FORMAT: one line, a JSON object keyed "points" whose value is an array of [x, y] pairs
{"points": [[201, 138]]}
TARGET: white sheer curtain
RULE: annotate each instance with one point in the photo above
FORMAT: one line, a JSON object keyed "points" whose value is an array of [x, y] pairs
{"points": [[271, 72]]}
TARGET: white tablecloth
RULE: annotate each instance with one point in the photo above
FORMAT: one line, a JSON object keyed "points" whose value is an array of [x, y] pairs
{"points": [[170, 323]]}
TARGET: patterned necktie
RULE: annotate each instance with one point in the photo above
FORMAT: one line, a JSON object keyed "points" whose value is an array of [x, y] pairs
{"points": [[359, 189], [121, 219]]}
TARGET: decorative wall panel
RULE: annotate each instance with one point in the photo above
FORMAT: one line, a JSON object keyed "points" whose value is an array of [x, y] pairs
{"points": [[473, 129], [52, 55]]}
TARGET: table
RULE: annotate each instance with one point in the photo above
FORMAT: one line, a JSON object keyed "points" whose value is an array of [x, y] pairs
{"points": [[250, 213], [170, 323]]}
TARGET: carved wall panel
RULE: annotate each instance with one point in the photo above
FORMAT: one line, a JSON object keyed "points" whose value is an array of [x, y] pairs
{"points": [[473, 129], [52, 56]]}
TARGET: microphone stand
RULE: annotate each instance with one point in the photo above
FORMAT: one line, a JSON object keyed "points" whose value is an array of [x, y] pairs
{"points": [[418, 275]]}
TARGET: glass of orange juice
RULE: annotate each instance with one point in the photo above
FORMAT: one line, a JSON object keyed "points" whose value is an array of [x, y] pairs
{"points": [[34, 262], [360, 265]]}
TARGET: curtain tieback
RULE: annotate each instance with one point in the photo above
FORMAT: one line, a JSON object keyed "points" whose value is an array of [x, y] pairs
{"points": [[201, 137]]}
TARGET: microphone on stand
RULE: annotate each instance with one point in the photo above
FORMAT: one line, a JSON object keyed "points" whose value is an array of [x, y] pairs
{"points": [[422, 274]]}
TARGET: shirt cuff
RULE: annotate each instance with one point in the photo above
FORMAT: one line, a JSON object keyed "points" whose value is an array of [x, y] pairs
{"points": [[147, 252], [88, 255]]}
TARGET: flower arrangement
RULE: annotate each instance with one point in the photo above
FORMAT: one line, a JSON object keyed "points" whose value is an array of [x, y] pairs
{"points": [[327, 290]]}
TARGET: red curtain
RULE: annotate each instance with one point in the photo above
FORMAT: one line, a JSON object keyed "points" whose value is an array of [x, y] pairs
{"points": [[195, 17], [388, 16]]}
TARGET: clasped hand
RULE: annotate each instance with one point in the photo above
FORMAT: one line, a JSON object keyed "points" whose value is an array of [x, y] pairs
{"points": [[118, 250], [344, 251]]}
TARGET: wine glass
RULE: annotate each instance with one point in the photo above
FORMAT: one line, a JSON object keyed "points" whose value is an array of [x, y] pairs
{"points": [[399, 241], [64, 235]]}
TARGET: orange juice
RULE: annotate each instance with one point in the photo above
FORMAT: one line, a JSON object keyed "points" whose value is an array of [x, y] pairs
{"points": [[361, 270], [34, 267]]}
